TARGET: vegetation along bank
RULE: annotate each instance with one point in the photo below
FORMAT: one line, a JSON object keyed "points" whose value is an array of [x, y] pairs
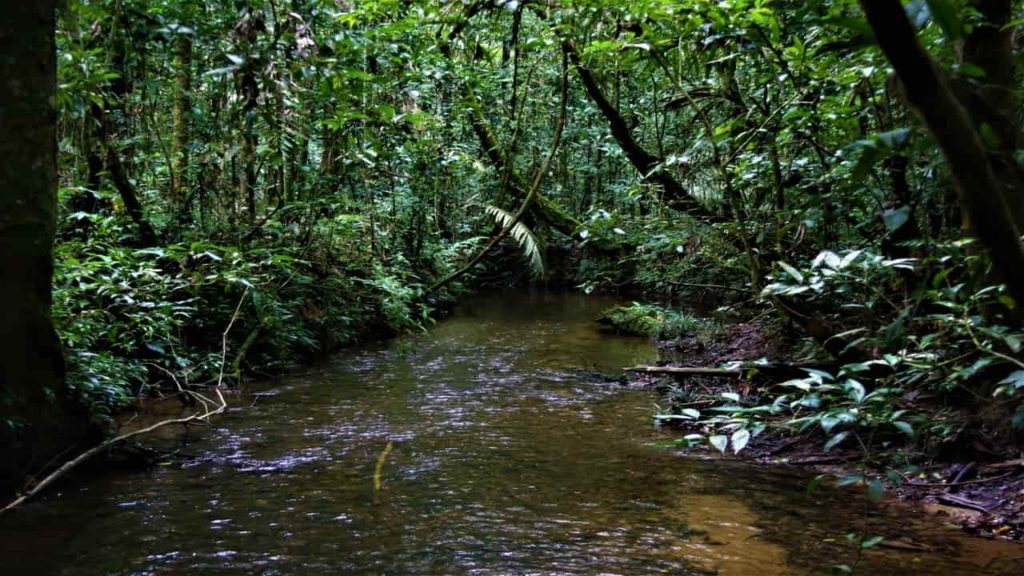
{"points": [[223, 188]]}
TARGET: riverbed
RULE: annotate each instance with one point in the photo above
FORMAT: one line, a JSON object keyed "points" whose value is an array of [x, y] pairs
{"points": [[509, 454]]}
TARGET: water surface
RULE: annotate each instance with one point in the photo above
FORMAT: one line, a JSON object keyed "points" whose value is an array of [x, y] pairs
{"points": [[510, 455]]}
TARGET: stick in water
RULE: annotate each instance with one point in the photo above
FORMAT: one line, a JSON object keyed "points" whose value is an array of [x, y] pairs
{"points": [[380, 466]]}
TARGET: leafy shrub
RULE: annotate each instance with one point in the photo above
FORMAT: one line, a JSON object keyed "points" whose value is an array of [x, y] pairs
{"points": [[128, 317], [923, 331]]}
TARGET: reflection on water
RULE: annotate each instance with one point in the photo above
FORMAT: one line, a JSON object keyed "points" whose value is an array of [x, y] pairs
{"points": [[511, 456]]}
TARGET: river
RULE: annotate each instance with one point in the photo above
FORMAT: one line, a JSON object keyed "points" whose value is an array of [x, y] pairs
{"points": [[509, 455]]}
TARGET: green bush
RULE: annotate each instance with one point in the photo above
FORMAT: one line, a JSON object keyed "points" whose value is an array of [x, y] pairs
{"points": [[131, 317]]}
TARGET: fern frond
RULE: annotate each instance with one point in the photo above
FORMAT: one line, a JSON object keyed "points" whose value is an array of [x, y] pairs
{"points": [[523, 235]]}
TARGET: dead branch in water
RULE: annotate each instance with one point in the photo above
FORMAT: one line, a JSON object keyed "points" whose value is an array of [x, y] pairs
{"points": [[686, 371], [210, 408], [751, 371]]}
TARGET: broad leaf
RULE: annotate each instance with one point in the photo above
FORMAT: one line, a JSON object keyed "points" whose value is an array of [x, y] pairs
{"points": [[740, 439], [719, 442]]}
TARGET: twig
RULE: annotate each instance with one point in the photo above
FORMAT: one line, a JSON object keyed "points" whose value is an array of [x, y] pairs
{"points": [[379, 468], [88, 454], [709, 286], [218, 407], [964, 483]]}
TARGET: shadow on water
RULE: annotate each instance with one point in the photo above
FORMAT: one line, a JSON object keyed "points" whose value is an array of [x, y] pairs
{"points": [[509, 457]]}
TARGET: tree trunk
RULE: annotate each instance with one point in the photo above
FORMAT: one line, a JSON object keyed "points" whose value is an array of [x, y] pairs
{"points": [[992, 99], [248, 187], [647, 164], [180, 118], [31, 362], [979, 190], [130, 199]]}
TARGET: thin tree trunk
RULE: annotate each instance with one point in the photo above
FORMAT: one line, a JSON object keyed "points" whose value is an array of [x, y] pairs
{"points": [[180, 119], [543, 208], [132, 206], [647, 164], [248, 186]]}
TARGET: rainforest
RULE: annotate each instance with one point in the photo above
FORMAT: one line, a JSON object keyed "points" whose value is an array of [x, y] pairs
{"points": [[512, 287]]}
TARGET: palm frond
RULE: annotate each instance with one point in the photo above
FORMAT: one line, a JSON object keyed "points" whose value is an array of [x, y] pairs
{"points": [[523, 235]]}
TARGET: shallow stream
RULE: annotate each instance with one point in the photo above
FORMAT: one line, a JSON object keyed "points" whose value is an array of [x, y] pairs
{"points": [[510, 455]]}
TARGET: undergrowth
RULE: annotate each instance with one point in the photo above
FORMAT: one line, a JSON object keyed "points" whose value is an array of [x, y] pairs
{"points": [[130, 316]]}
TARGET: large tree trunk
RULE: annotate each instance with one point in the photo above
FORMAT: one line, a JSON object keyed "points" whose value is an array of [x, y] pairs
{"points": [[980, 192], [32, 391]]}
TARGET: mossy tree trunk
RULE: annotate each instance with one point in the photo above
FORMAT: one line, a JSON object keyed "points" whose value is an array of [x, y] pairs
{"points": [[33, 398], [180, 193]]}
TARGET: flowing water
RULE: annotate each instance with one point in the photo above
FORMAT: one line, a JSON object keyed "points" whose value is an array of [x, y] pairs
{"points": [[509, 455]]}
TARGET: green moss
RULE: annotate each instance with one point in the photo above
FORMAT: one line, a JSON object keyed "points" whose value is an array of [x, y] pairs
{"points": [[649, 320]]}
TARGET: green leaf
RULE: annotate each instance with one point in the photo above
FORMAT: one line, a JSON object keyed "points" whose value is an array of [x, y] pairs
{"points": [[814, 483], [871, 542], [876, 489], [944, 14], [904, 427], [836, 440], [740, 439], [829, 422], [970, 70], [523, 235], [869, 156], [719, 442], [894, 139], [1012, 342], [791, 271], [988, 134], [850, 479], [855, 389], [1018, 418], [895, 218]]}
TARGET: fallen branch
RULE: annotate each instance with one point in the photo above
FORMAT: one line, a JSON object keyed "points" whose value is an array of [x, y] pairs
{"points": [[963, 483], [961, 502], [210, 408], [1008, 464], [907, 546], [686, 371], [770, 371], [816, 460], [378, 482], [88, 454], [786, 446], [532, 193], [711, 286]]}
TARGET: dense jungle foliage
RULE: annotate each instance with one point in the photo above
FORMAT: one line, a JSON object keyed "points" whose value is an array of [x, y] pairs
{"points": [[326, 170]]}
